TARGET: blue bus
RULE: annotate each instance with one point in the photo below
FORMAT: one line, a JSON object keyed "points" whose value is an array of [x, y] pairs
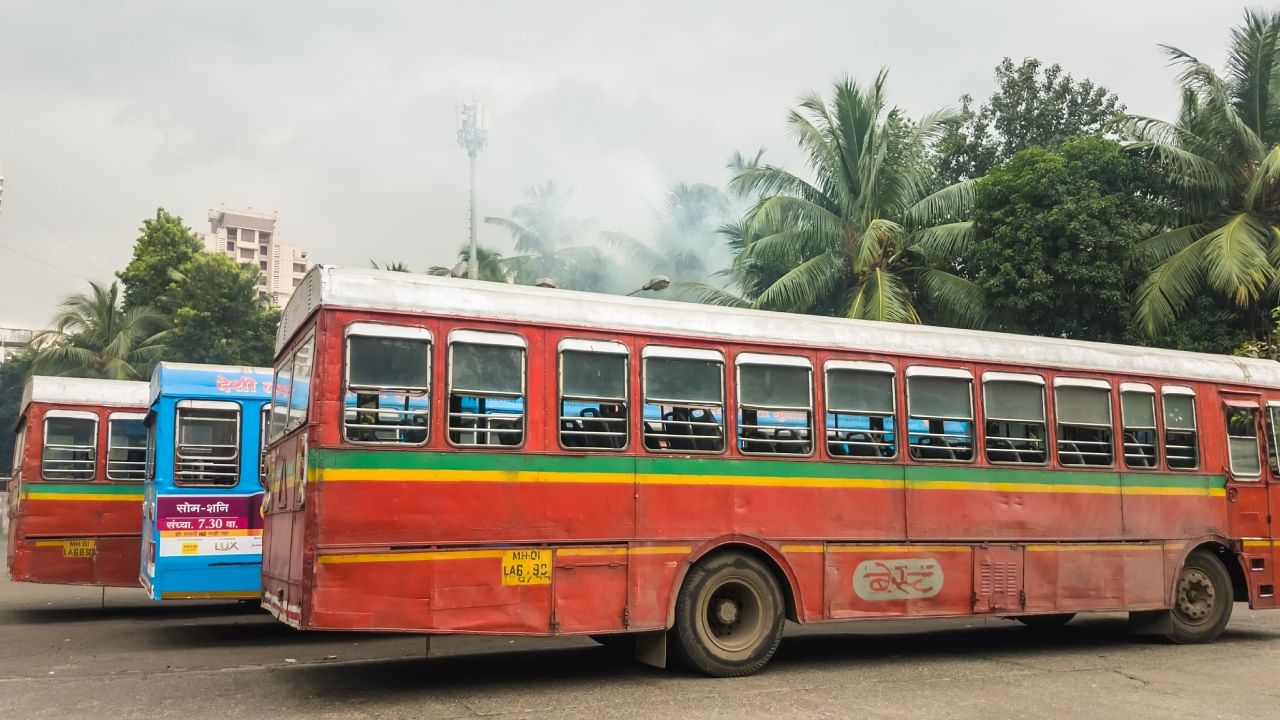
{"points": [[201, 517]]}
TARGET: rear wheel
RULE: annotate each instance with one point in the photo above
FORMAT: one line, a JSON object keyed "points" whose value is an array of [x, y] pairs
{"points": [[1045, 622], [729, 615], [1202, 600]]}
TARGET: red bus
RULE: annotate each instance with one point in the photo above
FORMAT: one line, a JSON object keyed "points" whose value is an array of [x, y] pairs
{"points": [[465, 457], [75, 499]]}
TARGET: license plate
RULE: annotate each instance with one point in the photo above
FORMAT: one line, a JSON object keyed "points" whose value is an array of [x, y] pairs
{"points": [[526, 567], [78, 548]]}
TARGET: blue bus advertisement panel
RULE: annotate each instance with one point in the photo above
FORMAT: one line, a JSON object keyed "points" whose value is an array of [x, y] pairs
{"points": [[201, 521]]}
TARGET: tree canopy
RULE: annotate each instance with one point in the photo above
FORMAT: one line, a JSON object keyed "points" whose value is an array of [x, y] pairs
{"points": [[94, 335]]}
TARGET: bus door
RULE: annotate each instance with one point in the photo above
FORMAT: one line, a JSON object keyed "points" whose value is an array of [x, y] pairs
{"points": [[1248, 487]]}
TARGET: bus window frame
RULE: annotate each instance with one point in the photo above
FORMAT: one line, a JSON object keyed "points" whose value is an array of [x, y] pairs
{"points": [[772, 360], [677, 352], [112, 418], [1141, 388], [864, 366], [395, 331], [1182, 391], [213, 405], [1253, 406], [70, 415], [493, 338], [941, 372], [1074, 381], [602, 347], [995, 376]]}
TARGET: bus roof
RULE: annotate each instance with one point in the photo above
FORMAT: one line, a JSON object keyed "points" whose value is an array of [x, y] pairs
{"points": [[398, 291], [83, 391], [190, 380]]}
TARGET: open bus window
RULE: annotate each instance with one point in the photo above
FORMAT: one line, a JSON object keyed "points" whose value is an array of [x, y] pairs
{"points": [[70, 446], [126, 447], [388, 393], [1138, 424], [1242, 440], [207, 451], [1083, 408], [683, 400], [1014, 417], [940, 414], [860, 410], [775, 405], [281, 386], [593, 395], [486, 389], [1181, 439]]}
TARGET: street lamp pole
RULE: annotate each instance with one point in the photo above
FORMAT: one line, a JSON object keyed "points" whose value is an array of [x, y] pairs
{"points": [[473, 136]]}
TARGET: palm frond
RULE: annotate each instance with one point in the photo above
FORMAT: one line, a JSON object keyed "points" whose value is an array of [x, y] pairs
{"points": [[954, 299], [883, 296]]}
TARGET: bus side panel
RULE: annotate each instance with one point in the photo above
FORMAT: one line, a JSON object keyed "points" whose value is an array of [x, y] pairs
{"points": [[110, 561], [949, 503], [1090, 577], [898, 581], [1173, 506], [281, 579]]}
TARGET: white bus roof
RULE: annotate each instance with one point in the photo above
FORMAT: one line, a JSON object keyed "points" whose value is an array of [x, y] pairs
{"points": [[83, 391], [382, 290]]}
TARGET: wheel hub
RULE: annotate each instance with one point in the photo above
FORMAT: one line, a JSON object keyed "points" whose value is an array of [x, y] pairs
{"points": [[1196, 595], [727, 611]]}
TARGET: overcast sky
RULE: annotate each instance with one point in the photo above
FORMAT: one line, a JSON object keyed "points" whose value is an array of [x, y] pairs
{"points": [[340, 116]]}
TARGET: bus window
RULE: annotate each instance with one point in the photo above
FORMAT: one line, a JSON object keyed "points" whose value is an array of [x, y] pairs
{"points": [[1273, 410], [126, 446], [683, 400], [593, 395], [300, 392], [281, 385], [486, 389], [775, 404], [70, 445], [1083, 408], [1138, 421], [860, 409], [1181, 440], [1242, 439], [19, 444], [1013, 416], [207, 451], [388, 385], [940, 414]]}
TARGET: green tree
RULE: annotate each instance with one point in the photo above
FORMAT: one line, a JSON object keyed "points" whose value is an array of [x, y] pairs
{"points": [[165, 244], [864, 238], [13, 376], [550, 243], [686, 244], [493, 266], [1222, 156], [393, 266], [94, 336], [219, 315], [1056, 235], [1033, 106]]}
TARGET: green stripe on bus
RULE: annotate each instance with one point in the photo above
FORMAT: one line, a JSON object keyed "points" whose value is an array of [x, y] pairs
{"points": [[82, 489]]}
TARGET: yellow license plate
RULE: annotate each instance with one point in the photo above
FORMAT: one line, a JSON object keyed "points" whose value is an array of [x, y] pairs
{"points": [[78, 548], [526, 567]]}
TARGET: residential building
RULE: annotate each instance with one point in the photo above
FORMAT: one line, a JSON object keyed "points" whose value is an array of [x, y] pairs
{"points": [[252, 238], [12, 341]]}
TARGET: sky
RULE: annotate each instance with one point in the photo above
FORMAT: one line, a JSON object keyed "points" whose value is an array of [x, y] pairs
{"points": [[340, 116]]}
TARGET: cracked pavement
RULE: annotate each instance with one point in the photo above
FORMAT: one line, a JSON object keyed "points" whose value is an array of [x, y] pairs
{"points": [[64, 655]]}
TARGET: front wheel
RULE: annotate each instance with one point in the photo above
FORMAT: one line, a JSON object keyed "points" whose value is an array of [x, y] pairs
{"points": [[1202, 600], [729, 615]]}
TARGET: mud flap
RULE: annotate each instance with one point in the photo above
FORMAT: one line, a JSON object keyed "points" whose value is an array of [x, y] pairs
{"points": [[1151, 622], [651, 649]]}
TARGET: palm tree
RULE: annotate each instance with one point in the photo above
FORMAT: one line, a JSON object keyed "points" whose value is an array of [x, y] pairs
{"points": [[550, 243], [864, 238], [393, 266], [685, 242], [94, 336], [1222, 159]]}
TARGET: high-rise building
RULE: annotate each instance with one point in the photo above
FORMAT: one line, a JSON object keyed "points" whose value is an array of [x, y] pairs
{"points": [[252, 238], [12, 341]]}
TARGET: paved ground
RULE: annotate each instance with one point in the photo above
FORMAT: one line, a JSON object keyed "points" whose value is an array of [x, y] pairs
{"points": [[63, 655]]}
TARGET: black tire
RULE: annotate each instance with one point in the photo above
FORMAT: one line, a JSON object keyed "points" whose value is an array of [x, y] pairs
{"points": [[1045, 622], [729, 616], [1202, 600]]}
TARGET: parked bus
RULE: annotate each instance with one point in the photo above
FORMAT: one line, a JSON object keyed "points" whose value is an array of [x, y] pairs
{"points": [[75, 497], [202, 521], [459, 457]]}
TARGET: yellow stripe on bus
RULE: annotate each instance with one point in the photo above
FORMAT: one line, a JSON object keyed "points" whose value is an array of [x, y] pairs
{"points": [[80, 496], [1086, 547], [490, 554]]}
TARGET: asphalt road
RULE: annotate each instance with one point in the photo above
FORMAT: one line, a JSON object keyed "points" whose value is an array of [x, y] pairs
{"points": [[65, 655]]}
